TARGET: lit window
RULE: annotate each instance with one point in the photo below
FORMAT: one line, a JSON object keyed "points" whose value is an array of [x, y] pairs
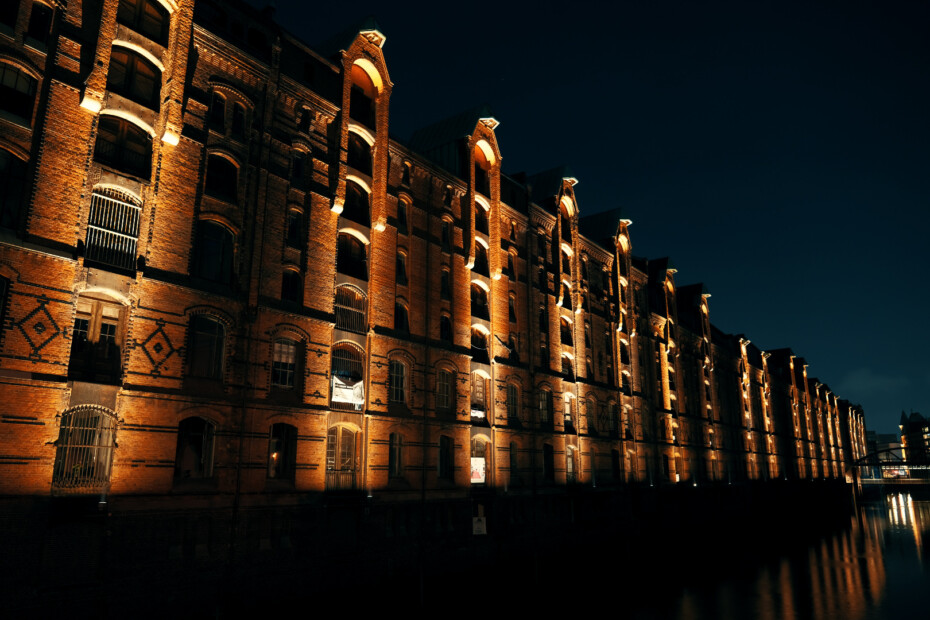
{"points": [[17, 93], [341, 458], [568, 406], [84, 450], [207, 347], [284, 363], [282, 451], [134, 77], [397, 389], [479, 404], [570, 475], [194, 455], [95, 342], [348, 390], [123, 146], [480, 462], [396, 456]]}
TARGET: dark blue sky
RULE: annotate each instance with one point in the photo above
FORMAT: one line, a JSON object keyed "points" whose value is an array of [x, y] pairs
{"points": [[777, 151]]}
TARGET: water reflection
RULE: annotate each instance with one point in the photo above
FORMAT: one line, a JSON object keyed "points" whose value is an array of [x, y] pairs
{"points": [[874, 570]]}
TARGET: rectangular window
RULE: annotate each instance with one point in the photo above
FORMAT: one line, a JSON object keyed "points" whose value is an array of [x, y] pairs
{"points": [[96, 338], [282, 451], [446, 457], [444, 390], [395, 456], [398, 383], [113, 229], [284, 363]]}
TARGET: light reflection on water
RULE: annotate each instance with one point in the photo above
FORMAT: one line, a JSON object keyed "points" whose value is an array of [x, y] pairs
{"points": [[876, 569]]}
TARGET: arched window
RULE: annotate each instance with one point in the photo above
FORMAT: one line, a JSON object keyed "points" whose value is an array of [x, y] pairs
{"points": [[480, 460], [217, 118], [214, 250], [481, 261], [511, 308], [194, 455], [17, 93], [84, 450], [282, 451], [445, 386], [445, 328], [479, 346], [238, 122], [401, 319], [565, 330], [513, 402], [511, 270], [445, 284], [113, 228], [482, 172], [222, 179], [400, 268], [292, 287], [12, 188], [341, 458], [479, 302], [565, 301], [284, 364], [134, 77], [351, 257], [446, 234], [357, 208], [298, 176], [295, 230], [348, 378], [590, 414], [481, 219], [123, 146], [397, 383], [303, 124], [207, 350], [351, 309], [359, 156], [362, 97], [147, 17]]}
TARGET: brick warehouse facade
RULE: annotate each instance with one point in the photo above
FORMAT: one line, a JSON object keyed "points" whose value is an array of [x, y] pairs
{"points": [[224, 286]]}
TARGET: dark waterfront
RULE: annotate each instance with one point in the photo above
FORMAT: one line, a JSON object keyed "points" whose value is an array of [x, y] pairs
{"points": [[874, 569]]}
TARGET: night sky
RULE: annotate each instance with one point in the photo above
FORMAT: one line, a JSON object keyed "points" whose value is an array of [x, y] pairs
{"points": [[779, 152]]}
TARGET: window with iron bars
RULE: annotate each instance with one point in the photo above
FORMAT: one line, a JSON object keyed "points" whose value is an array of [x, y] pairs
{"points": [[84, 450], [351, 309], [113, 228]]}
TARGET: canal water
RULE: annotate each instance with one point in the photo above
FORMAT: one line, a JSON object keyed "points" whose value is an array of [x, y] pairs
{"points": [[877, 568]]}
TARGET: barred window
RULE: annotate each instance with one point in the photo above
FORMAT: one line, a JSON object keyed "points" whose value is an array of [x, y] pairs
{"points": [[397, 393], [84, 450], [351, 309], [284, 363], [113, 228]]}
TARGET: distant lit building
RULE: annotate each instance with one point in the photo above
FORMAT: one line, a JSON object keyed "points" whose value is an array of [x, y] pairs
{"points": [[915, 437]]}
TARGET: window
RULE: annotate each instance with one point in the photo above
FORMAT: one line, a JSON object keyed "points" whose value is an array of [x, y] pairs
{"points": [[590, 414], [341, 458], [570, 475], [40, 22], [401, 322], [348, 376], [282, 451], [513, 402], [295, 230], [545, 407], [513, 350], [479, 405], [446, 457], [238, 122], [303, 125], [565, 330], [511, 270], [513, 231], [445, 285], [566, 299], [194, 455], [362, 98], [284, 363], [134, 77], [511, 309], [402, 217], [548, 463], [480, 462], [479, 302], [12, 188], [481, 261], [17, 93], [405, 175], [446, 235], [359, 155], [356, 206], [568, 404], [351, 257], [214, 250], [396, 456], [297, 170], [400, 269], [292, 287], [445, 328], [84, 449], [514, 463], [222, 179], [96, 341], [568, 368], [479, 346], [397, 380], [113, 228], [481, 219], [351, 309], [207, 347], [9, 12], [217, 118], [147, 17], [445, 383], [123, 146]]}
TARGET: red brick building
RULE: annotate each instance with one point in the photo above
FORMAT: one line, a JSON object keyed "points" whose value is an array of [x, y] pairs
{"points": [[224, 285]]}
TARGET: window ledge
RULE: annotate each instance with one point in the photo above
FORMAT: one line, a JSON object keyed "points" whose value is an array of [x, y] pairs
{"points": [[13, 119]]}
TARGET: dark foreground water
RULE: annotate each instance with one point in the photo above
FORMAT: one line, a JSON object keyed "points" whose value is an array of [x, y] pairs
{"points": [[878, 568]]}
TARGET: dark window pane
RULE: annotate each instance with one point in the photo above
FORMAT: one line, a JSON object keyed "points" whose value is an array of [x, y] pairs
{"points": [[222, 179], [194, 455], [282, 451], [134, 77], [17, 92], [207, 347], [214, 256], [147, 17], [40, 22], [123, 146]]}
